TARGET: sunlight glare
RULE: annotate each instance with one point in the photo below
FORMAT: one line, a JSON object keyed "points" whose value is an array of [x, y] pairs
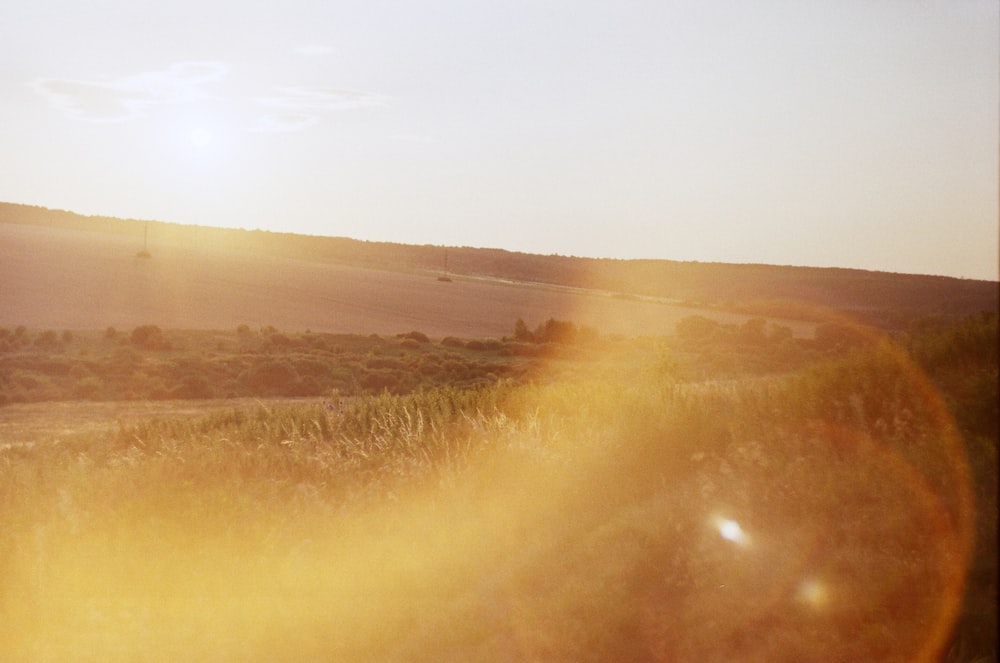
{"points": [[200, 137]]}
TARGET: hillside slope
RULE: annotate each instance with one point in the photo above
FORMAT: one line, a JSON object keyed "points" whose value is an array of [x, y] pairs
{"points": [[72, 279], [877, 297]]}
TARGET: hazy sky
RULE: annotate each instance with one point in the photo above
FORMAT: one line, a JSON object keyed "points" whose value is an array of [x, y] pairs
{"points": [[855, 133]]}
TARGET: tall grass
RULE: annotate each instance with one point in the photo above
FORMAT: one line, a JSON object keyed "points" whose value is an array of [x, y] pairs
{"points": [[578, 520]]}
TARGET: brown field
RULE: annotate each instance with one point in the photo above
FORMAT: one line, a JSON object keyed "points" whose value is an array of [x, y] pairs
{"points": [[70, 279]]}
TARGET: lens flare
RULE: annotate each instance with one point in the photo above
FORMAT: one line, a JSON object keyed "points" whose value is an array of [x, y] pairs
{"points": [[813, 592], [556, 521], [730, 530]]}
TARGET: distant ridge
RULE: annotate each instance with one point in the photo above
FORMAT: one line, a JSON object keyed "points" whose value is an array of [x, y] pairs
{"points": [[880, 298]]}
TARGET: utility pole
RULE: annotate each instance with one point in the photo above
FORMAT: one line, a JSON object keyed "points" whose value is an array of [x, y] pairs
{"points": [[145, 242], [444, 277]]}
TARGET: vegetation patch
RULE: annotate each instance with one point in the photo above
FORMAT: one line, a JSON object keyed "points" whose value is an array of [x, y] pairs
{"points": [[152, 363], [725, 494]]}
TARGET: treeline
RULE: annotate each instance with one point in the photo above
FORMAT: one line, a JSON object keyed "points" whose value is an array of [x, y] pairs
{"points": [[150, 363]]}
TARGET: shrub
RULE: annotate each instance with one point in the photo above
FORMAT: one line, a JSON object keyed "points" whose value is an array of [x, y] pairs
{"points": [[47, 340], [377, 381], [697, 328], [429, 369], [419, 337], [519, 350], [272, 377], [193, 387], [753, 332], [281, 340], [452, 342], [522, 333], [555, 331], [384, 362], [312, 367], [149, 337]]}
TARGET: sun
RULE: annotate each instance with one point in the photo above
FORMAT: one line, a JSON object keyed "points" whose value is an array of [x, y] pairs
{"points": [[200, 137]]}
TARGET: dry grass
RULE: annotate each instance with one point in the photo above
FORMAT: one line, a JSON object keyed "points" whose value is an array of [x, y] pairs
{"points": [[577, 521], [24, 424]]}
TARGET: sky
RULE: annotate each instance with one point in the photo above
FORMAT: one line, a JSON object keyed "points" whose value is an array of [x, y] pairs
{"points": [[844, 133]]}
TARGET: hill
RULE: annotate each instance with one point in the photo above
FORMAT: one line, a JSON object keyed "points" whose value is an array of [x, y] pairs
{"points": [[59, 278], [65, 270]]}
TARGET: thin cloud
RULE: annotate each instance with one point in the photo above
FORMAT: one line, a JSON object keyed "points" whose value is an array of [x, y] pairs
{"points": [[288, 108], [316, 98], [126, 98], [302, 106]]}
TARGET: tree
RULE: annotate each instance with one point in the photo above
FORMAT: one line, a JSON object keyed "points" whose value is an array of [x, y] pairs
{"points": [[697, 328], [752, 331], [556, 331], [47, 340], [149, 337], [522, 333]]}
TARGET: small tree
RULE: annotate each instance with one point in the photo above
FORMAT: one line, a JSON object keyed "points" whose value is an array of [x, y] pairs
{"points": [[272, 377], [556, 331], [522, 333], [697, 328], [149, 337], [753, 332], [417, 336], [47, 340]]}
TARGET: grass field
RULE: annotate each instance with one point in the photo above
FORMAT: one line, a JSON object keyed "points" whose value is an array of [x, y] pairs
{"points": [[838, 511], [25, 424]]}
